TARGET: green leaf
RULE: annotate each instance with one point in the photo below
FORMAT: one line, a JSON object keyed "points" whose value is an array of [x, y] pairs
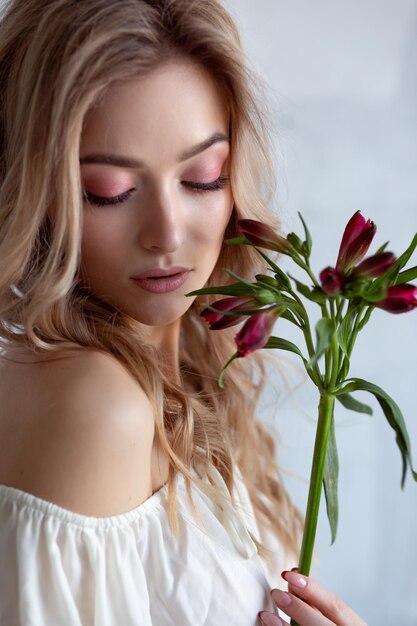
{"points": [[287, 315], [267, 281], [375, 294], [291, 304], [236, 289], [283, 280], [345, 329], [406, 275], [239, 313], [278, 272], [277, 343], [365, 318], [325, 330], [349, 402], [301, 287], [391, 275], [308, 242], [239, 278], [382, 248], [330, 480], [343, 370], [394, 416], [313, 294], [317, 295]]}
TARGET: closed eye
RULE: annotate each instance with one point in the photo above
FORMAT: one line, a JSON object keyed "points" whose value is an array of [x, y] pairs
{"points": [[197, 187], [219, 183], [102, 201]]}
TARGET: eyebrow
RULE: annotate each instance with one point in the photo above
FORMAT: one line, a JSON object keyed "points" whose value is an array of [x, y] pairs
{"points": [[126, 162]]}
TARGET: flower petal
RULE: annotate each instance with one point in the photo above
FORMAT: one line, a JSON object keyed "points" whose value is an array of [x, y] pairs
{"points": [[332, 280], [374, 266], [399, 299], [255, 332], [262, 235], [356, 240]]}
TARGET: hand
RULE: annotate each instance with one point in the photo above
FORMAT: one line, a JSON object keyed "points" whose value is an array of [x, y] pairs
{"points": [[314, 606]]}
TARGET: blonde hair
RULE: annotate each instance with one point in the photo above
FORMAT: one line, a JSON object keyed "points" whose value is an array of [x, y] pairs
{"points": [[57, 58]]}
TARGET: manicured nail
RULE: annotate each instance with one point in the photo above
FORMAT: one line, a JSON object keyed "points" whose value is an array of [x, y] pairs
{"points": [[281, 598], [294, 579], [268, 619]]}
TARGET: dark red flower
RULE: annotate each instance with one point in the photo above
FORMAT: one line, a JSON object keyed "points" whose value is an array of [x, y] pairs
{"points": [[399, 299], [332, 280], [356, 240], [374, 266], [235, 303], [262, 235], [256, 331]]}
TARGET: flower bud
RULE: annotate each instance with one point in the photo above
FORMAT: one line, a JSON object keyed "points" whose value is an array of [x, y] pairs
{"points": [[399, 299], [356, 240], [256, 331], [262, 235], [236, 303], [332, 280], [374, 266]]}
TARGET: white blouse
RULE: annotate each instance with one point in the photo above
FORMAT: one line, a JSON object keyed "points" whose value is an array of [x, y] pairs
{"points": [[60, 568]]}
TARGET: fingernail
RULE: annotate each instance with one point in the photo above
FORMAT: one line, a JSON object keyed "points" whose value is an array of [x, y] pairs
{"points": [[282, 598], [294, 579], [268, 619], [294, 569]]}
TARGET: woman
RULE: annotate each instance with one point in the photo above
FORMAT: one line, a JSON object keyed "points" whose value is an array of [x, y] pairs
{"points": [[133, 491]]}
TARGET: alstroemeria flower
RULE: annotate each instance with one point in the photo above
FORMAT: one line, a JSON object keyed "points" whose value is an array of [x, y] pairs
{"points": [[235, 303], [399, 299], [332, 280], [264, 236], [256, 331], [374, 266], [356, 240]]}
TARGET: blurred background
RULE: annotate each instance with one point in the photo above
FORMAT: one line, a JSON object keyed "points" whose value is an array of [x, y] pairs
{"points": [[342, 87]]}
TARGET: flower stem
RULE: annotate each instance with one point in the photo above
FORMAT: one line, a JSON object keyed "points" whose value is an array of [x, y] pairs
{"points": [[325, 413]]}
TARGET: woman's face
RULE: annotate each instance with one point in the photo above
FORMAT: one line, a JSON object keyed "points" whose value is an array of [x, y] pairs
{"points": [[154, 165]]}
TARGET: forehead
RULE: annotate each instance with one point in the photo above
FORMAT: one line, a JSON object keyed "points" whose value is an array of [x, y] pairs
{"points": [[175, 105]]}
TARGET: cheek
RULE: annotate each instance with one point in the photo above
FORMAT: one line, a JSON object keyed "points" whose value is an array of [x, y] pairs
{"points": [[210, 224], [100, 242]]}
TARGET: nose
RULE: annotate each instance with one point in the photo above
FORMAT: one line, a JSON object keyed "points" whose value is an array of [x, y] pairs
{"points": [[161, 228]]}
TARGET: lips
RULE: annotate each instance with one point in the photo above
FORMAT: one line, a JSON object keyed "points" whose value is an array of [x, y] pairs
{"points": [[159, 272], [165, 282]]}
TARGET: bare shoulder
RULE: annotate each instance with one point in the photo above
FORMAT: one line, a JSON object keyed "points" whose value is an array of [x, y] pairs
{"points": [[88, 444]]}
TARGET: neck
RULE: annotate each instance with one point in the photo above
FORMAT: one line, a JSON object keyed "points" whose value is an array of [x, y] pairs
{"points": [[166, 340]]}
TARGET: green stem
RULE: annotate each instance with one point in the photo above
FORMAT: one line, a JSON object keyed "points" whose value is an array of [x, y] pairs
{"points": [[306, 268], [325, 413], [325, 416], [355, 331], [315, 375]]}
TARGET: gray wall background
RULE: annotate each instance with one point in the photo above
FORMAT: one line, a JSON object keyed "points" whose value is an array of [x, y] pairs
{"points": [[342, 85]]}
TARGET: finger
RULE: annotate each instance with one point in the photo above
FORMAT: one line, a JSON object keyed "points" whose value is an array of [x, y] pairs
{"points": [[269, 619], [299, 610], [326, 602]]}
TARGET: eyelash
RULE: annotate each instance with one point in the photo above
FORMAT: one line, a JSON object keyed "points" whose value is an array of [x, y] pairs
{"points": [[217, 184]]}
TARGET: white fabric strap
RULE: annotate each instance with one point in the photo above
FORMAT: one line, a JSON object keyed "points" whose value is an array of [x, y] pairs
{"points": [[232, 519]]}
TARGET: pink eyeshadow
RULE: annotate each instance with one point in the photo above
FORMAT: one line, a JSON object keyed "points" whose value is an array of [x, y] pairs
{"points": [[106, 186], [205, 172]]}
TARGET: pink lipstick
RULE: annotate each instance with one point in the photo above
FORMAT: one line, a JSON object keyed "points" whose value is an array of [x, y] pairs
{"points": [[160, 280]]}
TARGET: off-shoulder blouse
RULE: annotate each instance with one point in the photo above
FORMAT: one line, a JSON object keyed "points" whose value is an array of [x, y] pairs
{"points": [[60, 568]]}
